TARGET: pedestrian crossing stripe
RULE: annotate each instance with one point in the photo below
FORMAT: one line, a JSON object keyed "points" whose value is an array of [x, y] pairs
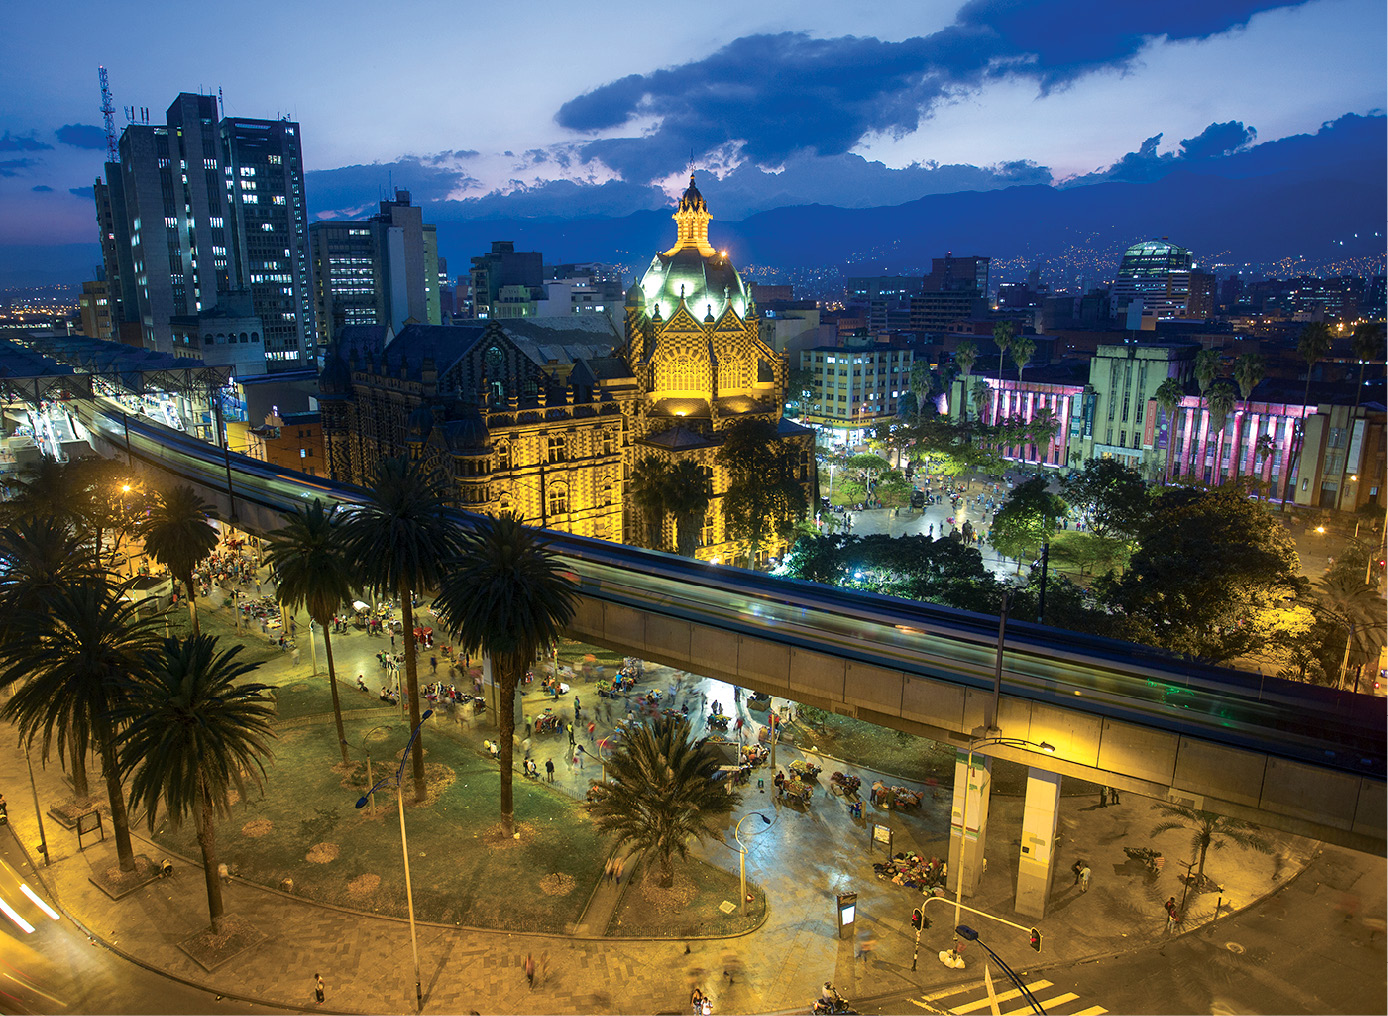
{"points": [[982, 1005]]}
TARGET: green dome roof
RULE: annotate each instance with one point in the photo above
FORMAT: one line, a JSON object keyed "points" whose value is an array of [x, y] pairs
{"points": [[706, 282]]}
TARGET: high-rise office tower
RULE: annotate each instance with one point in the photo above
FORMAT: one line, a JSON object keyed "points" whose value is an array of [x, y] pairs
{"points": [[1157, 273], [264, 171], [196, 208], [950, 274], [378, 271]]}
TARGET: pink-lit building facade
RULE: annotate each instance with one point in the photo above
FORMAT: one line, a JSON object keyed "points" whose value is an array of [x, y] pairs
{"points": [[1107, 409]]}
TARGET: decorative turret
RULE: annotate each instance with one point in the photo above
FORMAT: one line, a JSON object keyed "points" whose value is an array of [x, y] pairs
{"points": [[692, 217]]}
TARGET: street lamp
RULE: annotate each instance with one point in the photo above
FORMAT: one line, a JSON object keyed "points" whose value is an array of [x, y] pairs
{"points": [[399, 778], [742, 852], [954, 960]]}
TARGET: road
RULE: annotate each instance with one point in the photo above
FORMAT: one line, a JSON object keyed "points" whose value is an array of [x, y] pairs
{"points": [[1315, 947], [57, 969]]}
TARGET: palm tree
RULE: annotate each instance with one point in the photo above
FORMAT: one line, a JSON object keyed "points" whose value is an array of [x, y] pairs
{"points": [[397, 541], [195, 732], [505, 596], [72, 660], [1169, 395], [309, 562], [1002, 335], [982, 395], [1222, 401], [688, 495], [1022, 349], [1312, 345], [1367, 344], [1206, 370], [1208, 829], [1347, 603], [177, 535], [649, 489], [659, 794], [42, 556], [965, 354], [45, 489], [1249, 371]]}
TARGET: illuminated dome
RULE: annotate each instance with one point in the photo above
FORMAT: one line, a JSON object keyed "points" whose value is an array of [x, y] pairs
{"points": [[693, 270]]}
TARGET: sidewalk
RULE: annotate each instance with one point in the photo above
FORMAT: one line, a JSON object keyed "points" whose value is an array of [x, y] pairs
{"points": [[801, 860]]}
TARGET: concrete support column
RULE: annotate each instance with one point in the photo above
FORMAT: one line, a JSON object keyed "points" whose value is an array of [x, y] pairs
{"points": [[968, 829], [1035, 866]]}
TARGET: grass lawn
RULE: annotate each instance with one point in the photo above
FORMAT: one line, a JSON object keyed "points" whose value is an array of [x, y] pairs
{"points": [[690, 908], [306, 828], [916, 758]]}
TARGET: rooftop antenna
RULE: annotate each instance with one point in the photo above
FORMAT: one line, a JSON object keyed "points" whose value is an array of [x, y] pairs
{"points": [[221, 103], [108, 116]]}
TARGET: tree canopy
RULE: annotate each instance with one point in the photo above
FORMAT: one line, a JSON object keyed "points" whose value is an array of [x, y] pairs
{"points": [[1110, 497], [1028, 518]]}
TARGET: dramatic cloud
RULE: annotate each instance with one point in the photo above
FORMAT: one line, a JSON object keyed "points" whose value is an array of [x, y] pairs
{"points": [[13, 167], [1218, 139], [774, 95], [22, 143], [42, 188], [82, 135], [353, 191], [88, 192], [1146, 164]]}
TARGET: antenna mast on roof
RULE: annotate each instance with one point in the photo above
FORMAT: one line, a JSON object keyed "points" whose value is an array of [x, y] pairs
{"points": [[221, 103], [108, 116]]}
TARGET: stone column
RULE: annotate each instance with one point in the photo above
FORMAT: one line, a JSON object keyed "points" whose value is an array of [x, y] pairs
{"points": [[1035, 867], [974, 786]]}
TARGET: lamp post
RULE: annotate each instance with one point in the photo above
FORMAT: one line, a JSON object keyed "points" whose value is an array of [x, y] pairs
{"points": [[370, 780], [742, 853], [955, 960], [399, 778], [38, 810]]}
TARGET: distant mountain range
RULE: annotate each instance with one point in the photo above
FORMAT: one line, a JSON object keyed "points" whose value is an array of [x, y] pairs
{"points": [[1318, 198]]}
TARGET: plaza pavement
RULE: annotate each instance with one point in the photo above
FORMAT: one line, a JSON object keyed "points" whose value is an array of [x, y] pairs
{"points": [[801, 861]]}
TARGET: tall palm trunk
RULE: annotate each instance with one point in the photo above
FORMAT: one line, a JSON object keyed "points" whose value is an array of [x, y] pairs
{"points": [[207, 841], [77, 762], [192, 602], [509, 669], [412, 689], [120, 820], [332, 686]]}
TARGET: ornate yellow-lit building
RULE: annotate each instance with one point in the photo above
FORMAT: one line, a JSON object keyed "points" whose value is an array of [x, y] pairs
{"points": [[548, 418]]}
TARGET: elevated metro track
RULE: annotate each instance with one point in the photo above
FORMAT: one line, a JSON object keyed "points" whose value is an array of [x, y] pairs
{"points": [[1296, 757]]}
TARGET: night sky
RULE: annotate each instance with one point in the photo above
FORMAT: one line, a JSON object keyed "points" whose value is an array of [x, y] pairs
{"points": [[571, 110]]}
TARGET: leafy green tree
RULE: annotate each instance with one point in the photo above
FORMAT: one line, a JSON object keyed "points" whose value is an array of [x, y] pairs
{"points": [[1208, 829], [1028, 518], [1169, 395], [69, 662], [1209, 574], [660, 794], [688, 495], [308, 558], [649, 489], [178, 536], [765, 496], [868, 467], [894, 490], [799, 390], [397, 541], [1002, 336], [1110, 497], [195, 732], [506, 596]]}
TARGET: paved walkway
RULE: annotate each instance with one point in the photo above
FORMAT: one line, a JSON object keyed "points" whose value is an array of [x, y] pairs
{"points": [[804, 857]]}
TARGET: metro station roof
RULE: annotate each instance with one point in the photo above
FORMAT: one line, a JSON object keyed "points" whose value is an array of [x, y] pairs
{"points": [[43, 358]]}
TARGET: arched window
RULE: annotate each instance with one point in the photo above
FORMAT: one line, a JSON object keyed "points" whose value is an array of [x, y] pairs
{"points": [[679, 374], [207, 339], [255, 336], [245, 337], [493, 368], [558, 495]]}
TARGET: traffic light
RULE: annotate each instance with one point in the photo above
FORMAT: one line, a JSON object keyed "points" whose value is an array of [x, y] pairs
{"points": [[916, 917], [1036, 939]]}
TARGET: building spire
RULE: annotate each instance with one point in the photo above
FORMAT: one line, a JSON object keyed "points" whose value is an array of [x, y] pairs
{"points": [[692, 217]]}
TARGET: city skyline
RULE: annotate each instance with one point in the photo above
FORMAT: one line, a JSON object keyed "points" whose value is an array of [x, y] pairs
{"points": [[909, 104]]}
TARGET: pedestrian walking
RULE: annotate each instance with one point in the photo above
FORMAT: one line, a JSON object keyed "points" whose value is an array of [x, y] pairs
{"points": [[1103, 797], [433, 665], [607, 870], [296, 656], [318, 987], [530, 970], [549, 769], [617, 869], [866, 946], [1084, 879], [1077, 867], [1171, 915], [1112, 796], [578, 758], [572, 742]]}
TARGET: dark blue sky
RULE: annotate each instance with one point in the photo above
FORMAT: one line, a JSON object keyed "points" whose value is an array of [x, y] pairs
{"points": [[533, 108]]}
